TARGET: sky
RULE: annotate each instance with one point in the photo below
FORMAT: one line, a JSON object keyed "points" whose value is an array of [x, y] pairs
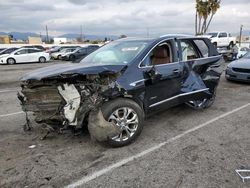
{"points": [[116, 17]]}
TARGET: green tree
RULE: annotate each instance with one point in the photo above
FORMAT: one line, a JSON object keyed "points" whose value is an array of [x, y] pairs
{"points": [[205, 11]]}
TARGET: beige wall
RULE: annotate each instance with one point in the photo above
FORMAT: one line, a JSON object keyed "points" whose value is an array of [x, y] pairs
{"points": [[34, 40], [4, 39]]}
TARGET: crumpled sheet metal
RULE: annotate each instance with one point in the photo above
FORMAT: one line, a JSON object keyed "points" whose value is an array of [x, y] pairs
{"points": [[99, 128]]}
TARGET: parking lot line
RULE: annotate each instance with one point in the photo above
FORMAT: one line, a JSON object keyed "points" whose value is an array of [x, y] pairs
{"points": [[11, 114], [8, 90], [103, 171]]}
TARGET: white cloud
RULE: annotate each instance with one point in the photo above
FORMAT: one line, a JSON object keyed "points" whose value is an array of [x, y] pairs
{"points": [[131, 17]]}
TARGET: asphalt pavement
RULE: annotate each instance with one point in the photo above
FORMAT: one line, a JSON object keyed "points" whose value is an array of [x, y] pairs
{"points": [[179, 147]]}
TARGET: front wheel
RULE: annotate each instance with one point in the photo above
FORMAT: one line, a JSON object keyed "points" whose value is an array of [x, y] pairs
{"points": [[128, 116], [202, 104], [11, 61]]}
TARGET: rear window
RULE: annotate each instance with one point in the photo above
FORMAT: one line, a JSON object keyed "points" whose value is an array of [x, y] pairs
{"points": [[203, 48]]}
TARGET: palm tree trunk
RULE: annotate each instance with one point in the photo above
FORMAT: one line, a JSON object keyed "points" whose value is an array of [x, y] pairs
{"points": [[209, 22]]}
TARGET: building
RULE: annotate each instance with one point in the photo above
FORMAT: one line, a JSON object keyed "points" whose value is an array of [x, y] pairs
{"points": [[60, 40], [34, 40], [4, 39]]}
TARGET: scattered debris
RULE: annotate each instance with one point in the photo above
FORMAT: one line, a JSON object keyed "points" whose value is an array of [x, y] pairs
{"points": [[32, 146], [244, 174]]}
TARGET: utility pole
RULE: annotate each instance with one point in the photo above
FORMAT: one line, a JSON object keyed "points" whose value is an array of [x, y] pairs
{"points": [[47, 35], [241, 27], [81, 33]]}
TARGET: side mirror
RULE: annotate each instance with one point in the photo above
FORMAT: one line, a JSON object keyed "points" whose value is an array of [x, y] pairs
{"points": [[153, 75]]}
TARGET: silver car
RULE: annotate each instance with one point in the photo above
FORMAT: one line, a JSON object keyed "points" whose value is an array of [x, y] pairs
{"points": [[239, 70]]}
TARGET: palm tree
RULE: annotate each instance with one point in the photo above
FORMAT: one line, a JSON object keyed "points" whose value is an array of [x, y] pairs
{"points": [[205, 11]]}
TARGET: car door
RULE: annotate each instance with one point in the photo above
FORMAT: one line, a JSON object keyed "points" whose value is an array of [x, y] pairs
{"points": [[21, 56], [33, 55], [194, 54], [223, 40], [162, 81]]}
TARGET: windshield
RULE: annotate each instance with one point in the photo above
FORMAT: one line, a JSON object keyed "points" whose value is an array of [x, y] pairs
{"points": [[8, 51], [246, 56], [115, 53], [213, 34]]}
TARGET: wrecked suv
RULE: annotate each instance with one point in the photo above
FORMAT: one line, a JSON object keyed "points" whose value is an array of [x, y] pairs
{"points": [[115, 88]]}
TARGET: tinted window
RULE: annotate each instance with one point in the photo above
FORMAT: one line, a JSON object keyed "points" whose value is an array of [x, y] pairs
{"points": [[24, 51], [188, 51], [223, 35], [33, 50], [202, 46], [83, 50]]}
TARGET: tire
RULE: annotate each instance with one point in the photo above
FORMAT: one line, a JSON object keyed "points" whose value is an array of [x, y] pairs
{"points": [[11, 61], [114, 111], [202, 104], [231, 44], [72, 57], [42, 60]]}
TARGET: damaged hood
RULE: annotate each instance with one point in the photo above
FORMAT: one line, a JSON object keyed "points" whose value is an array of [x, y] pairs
{"points": [[69, 69]]}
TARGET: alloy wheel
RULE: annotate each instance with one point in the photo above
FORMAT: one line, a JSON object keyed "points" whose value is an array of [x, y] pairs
{"points": [[127, 120]]}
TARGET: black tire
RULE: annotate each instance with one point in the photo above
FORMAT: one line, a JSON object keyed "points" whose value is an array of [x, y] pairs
{"points": [[11, 61], [215, 44], [202, 104], [42, 60], [59, 57], [231, 44], [72, 58], [112, 106]]}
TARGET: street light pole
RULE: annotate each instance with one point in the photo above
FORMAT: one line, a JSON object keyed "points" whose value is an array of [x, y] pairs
{"points": [[241, 27]]}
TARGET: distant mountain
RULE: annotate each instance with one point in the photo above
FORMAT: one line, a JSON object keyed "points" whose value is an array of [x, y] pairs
{"points": [[25, 35], [89, 37], [19, 35]]}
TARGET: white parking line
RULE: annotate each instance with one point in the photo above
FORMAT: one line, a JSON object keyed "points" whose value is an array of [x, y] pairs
{"points": [[11, 114], [103, 171], [9, 90]]}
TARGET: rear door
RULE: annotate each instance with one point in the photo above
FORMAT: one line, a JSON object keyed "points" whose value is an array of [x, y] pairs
{"points": [[33, 55], [195, 56]]}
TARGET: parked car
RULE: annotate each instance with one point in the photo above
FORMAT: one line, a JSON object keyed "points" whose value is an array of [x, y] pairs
{"points": [[114, 88], [35, 46], [7, 51], [221, 39], [1, 49], [79, 53], [24, 55], [59, 48], [239, 70], [57, 55], [242, 51]]}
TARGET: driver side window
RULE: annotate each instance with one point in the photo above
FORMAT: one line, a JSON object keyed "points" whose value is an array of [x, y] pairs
{"points": [[160, 55]]}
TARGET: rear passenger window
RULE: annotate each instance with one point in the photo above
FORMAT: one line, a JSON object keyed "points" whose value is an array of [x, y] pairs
{"points": [[202, 46], [188, 51]]}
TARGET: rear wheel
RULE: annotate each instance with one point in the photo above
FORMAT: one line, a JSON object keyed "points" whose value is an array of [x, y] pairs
{"points": [[42, 60], [72, 57], [11, 61], [128, 116], [215, 44], [231, 45]]}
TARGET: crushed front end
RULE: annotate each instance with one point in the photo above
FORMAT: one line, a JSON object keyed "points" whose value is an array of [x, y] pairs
{"points": [[65, 101]]}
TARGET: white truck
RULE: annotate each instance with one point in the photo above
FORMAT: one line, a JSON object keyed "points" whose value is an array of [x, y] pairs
{"points": [[221, 39]]}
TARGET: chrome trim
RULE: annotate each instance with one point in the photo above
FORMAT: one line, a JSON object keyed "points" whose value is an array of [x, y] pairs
{"points": [[182, 94], [138, 81]]}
